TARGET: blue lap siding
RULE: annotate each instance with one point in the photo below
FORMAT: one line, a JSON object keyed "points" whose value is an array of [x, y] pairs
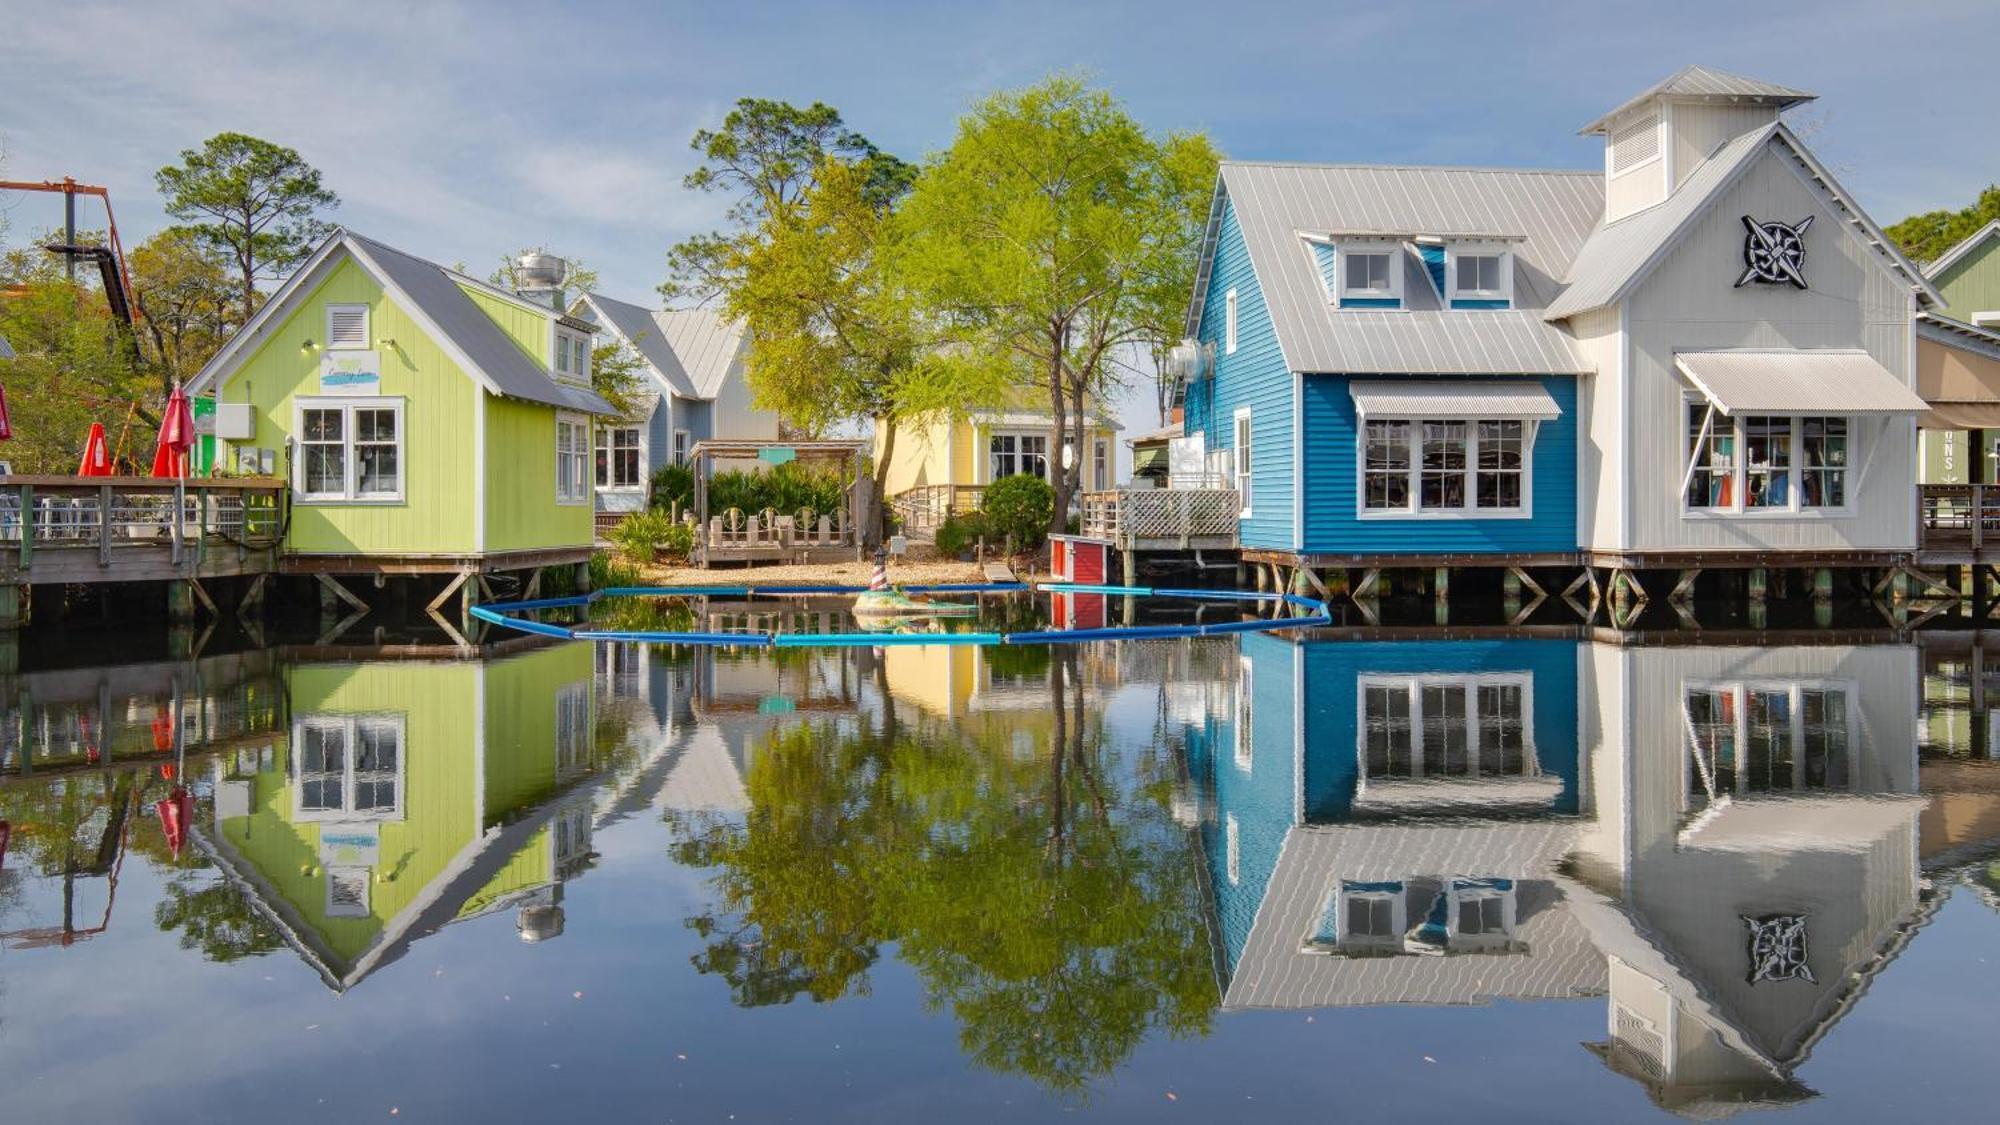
{"points": [[1255, 376], [1332, 523]]}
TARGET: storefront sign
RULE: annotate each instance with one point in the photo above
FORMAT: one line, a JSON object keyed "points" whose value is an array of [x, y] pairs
{"points": [[350, 373]]}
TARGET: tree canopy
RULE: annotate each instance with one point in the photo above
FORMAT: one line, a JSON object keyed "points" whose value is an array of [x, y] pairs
{"points": [[74, 364], [1926, 237], [187, 303], [255, 202], [1062, 238]]}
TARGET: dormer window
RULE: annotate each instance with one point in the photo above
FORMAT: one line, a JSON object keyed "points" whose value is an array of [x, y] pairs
{"points": [[1370, 276], [572, 358], [1481, 278]]}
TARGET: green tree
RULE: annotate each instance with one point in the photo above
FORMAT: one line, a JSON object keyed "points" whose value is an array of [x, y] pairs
{"points": [[1063, 238], [255, 202], [1926, 237], [1047, 899], [73, 365], [766, 158], [187, 303]]}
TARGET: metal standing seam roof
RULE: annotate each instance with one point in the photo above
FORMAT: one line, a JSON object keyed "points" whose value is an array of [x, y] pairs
{"points": [[636, 326], [1777, 381], [1965, 246], [706, 344], [1453, 400], [1954, 333], [507, 369], [1550, 213], [1701, 83]]}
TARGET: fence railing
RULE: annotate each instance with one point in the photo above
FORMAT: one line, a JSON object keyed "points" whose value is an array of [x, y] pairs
{"points": [[922, 509], [1154, 515], [1958, 516], [114, 514]]}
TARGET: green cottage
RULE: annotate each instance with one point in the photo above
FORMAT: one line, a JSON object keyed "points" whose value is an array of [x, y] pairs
{"points": [[428, 422], [409, 796]]}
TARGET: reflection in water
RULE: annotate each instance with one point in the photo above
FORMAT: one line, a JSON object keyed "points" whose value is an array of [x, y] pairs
{"points": [[1037, 886], [1721, 846]]}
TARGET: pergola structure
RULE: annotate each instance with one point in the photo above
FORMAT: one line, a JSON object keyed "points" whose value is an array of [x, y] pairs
{"points": [[773, 536]]}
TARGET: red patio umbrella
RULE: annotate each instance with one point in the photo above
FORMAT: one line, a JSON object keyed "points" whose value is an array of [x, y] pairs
{"points": [[176, 435], [6, 427], [176, 813], [96, 454]]}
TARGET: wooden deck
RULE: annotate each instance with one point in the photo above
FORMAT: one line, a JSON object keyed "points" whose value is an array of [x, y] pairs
{"points": [[1958, 524], [87, 531], [923, 509], [1162, 519]]}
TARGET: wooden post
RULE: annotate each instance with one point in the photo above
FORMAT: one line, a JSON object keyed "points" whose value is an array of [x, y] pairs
{"points": [[1510, 585], [1441, 584], [1822, 588], [180, 600], [13, 607], [1760, 580], [1129, 559]]}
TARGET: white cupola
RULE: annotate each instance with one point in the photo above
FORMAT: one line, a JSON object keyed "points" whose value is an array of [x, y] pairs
{"points": [[1653, 141]]}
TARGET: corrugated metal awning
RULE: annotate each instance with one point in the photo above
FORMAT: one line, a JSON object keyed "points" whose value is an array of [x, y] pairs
{"points": [[1453, 400], [1784, 381]]}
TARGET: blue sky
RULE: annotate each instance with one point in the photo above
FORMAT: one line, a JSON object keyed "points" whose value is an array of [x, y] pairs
{"points": [[461, 131]]}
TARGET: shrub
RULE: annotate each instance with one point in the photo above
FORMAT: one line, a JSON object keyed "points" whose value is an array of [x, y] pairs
{"points": [[639, 536], [678, 542], [957, 534], [785, 490], [1019, 506], [604, 572], [672, 485]]}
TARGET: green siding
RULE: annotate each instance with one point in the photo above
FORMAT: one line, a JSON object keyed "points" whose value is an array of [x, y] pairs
{"points": [[1972, 284], [521, 507], [435, 514], [528, 329]]}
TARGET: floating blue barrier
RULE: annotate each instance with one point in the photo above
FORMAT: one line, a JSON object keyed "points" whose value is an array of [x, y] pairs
{"points": [[506, 614]]}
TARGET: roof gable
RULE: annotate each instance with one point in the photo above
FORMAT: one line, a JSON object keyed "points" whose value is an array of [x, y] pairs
{"points": [[1703, 83], [689, 351], [430, 295], [1619, 255], [636, 327], [1976, 241]]}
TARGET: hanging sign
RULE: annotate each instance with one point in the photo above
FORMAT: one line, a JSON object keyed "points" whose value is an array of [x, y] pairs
{"points": [[350, 373], [1774, 253]]}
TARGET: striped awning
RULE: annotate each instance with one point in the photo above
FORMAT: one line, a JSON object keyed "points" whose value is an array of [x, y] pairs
{"points": [[1453, 400], [1786, 381]]}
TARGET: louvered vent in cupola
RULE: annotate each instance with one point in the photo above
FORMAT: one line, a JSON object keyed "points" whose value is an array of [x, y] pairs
{"points": [[1635, 144], [347, 326]]}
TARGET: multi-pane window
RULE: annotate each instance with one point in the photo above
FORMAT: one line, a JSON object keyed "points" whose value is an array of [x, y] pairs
{"points": [[1386, 467], [680, 447], [1445, 465], [618, 457], [1245, 745], [1366, 272], [1446, 726], [347, 767], [1760, 738], [1478, 273], [350, 450], [572, 460], [572, 357], [573, 740], [1100, 461], [1787, 462], [1011, 454]]}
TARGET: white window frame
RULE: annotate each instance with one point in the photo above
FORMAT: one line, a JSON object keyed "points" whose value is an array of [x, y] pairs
{"points": [[1346, 251], [1471, 682], [681, 447], [574, 728], [1019, 454], [1232, 849], [367, 328], [1455, 292], [1242, 743], [581, 452], [1399, 921], [607, 437], [1414, 510], [351, 467], [569, 355], [1696, 759], [350, 727], [1100, 464], [1229, 323], [1739, 468], [1243, 450]]}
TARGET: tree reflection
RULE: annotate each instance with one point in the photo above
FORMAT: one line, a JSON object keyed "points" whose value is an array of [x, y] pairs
{"points": [[1043, 896]]}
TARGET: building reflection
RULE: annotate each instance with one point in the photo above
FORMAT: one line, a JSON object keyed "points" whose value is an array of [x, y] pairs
{"points": [[410, 795], [1725, 843]]}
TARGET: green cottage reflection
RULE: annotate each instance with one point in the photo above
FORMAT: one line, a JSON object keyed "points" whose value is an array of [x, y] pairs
{"points": [[409, 795], [970, 810]]}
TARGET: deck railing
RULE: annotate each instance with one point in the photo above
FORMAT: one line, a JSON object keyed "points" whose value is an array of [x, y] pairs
{"points": [[923, 508], [1160, 516], [117, 514], [1958, 516]]}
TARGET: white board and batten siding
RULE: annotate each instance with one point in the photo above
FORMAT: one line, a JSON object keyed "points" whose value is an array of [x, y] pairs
{"points": [[1689, 302]]}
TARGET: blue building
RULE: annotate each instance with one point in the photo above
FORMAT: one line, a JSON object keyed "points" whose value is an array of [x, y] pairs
{"points": [[1384, 381]]}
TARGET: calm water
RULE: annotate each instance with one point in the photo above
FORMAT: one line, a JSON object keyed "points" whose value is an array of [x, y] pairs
{"points": [[1464, 876]]}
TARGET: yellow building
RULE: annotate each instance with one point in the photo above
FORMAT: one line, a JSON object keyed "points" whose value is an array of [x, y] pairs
{"points": [[985, 445]]}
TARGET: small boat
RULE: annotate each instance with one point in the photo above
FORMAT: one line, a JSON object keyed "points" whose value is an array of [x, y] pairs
{"points": [[895, 603]]}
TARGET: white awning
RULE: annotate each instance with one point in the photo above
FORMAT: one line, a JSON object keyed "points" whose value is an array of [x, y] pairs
{"points": [[1523, 400], [1785, 381]]}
